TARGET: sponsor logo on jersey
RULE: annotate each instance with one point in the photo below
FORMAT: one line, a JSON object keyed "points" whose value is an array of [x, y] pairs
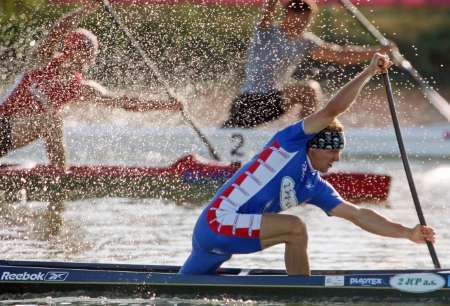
{"points": [[288, 197]]}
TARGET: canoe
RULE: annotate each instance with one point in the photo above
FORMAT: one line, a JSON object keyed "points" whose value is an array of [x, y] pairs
{"points": [[114, 280], [186, 180]]}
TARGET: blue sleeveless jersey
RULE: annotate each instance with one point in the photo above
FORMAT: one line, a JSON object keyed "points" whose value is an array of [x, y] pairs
{"points": [[279, 177]]}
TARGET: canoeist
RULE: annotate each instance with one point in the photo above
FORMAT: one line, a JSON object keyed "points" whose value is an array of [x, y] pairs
{"points": [[273, 51], [53, 77], [29, 110], [243, 215]]}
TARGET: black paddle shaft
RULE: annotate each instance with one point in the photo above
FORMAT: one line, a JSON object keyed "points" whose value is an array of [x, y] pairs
{"points": [[108, 7], [408, 172]]}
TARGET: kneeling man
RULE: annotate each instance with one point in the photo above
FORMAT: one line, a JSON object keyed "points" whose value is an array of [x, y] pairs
{"points": [[243, 215]]}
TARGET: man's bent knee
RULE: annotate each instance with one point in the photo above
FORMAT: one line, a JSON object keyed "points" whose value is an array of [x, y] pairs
{"points": [[278, 228], [298, 231]]}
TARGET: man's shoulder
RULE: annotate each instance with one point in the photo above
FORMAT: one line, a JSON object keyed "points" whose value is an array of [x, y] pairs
{"points": [[294, 129]]}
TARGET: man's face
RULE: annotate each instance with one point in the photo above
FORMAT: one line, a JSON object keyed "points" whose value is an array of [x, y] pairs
{"points": [[322, 160]]}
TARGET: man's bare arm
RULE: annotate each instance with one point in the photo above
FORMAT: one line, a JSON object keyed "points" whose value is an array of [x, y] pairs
{"points": [[346, 95], [268, 14], [373, 222], [94, 92], [345, 55]]}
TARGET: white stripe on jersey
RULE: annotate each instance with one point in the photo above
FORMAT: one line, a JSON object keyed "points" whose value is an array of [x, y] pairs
{"points": [[266, 171]]}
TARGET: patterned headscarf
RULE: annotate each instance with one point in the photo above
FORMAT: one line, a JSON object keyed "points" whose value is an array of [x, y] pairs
{"points": [[328, 140]]}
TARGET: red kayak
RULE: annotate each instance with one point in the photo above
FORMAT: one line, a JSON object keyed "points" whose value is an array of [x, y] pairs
{"points": [[187, 180]]}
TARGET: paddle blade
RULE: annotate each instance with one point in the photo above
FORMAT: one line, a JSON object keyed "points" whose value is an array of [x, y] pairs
{"points": [[360, 187]]}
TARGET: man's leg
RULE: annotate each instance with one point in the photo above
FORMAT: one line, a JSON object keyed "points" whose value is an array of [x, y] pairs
{"points": [[201, 262], [206, 256], [28, 128], [291, 231], [308, 94]]}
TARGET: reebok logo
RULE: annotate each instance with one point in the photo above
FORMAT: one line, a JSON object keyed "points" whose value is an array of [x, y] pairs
{"points": [[56, 276], [23, 276], [39, 276]]}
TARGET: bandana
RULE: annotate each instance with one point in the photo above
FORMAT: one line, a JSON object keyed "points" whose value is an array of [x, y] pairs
{"points": [[328, 140]]}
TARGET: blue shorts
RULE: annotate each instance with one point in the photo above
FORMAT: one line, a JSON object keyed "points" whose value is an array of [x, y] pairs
{"points": [[210, 249]]}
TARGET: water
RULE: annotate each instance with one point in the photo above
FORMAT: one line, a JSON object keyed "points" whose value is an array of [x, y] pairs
{"points": [[149, 231]]}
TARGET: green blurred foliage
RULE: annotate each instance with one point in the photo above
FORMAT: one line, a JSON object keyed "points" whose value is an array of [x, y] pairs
{"points": [[203, 42]]}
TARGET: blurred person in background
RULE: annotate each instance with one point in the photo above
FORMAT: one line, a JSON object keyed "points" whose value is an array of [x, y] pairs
{"points": [[275, 50], [53, 78]]}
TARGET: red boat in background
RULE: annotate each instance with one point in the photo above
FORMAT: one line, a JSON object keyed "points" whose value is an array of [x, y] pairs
{"points": [[187, 180]]}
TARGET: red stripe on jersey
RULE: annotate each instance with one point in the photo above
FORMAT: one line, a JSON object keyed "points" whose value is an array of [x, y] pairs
{"points": [[253, 167], [226, 230], [212, 215], [241, 178], [265, 154], [227, 191]]}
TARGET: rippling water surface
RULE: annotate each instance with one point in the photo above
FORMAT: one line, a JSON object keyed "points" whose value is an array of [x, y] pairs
{"points": [[154, 231]]}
